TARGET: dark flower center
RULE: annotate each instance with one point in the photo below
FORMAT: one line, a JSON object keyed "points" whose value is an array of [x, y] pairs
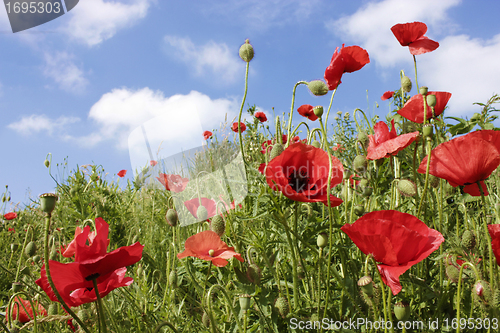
{"points": [[92, 277], [299, 181]]}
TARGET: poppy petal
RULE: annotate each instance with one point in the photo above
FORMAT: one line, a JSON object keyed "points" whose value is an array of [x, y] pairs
{"points": [[423, 45]]}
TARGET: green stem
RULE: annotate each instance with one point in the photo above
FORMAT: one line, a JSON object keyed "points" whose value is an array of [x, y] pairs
{"points": [[415, 64], [228, 302], [329, 107], [241, 111], [426, 178], [289, 128], [165, 323], [100, 308], [488, 238]]}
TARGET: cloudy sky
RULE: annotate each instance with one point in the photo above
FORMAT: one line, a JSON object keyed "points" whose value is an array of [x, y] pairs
{"points": [[81, 86]]}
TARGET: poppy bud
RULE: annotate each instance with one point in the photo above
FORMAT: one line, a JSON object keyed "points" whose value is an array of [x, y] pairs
{"points": [[47, 163], [16, 287], [30, 249], [254, 273], [360, 164], [359, 210], [434, 181], [205, 319], [318, 87], [172, 217], [36, 258], [452, 273], [14, 247], [48, 202], [424, 90], [468, 240], [244, 302], [172, 278], [406, 84], [277, 150], [25, 271], [363, 183], [282, 305], [52, 309], [4, 198], [431, 100], [482, 292], [53, 254], [407, 188], [427, 130], [218, 225], [363, 139], [322, 240], [140, 270], [246, 51], [367, 191], [318, 111], [202, 213], [366, 285], [316, 144], [402, 310]]}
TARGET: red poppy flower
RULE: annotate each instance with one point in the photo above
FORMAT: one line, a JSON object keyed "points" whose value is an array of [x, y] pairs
{"points": [[74, 280], [193, 204], [24, 317], [387, 95], [261, 116], [207, 245], [414, 109], [174, 183], [301, 174], [122, 173], [306, 110], [70, 250], [12, 230], [10, 216], [153, 163], [412, 35], [466, 160], [338, 147], [348, 60], [494, 231], [384, 143], [207, 135], [396, 240], [262, 167], [235, 127]]}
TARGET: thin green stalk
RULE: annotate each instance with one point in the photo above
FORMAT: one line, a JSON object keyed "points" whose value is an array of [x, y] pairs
{"points": [[228, 303], [329, 108], [429, 153], [488, 238], [165, 323], [100, 307], [415, 64], [241, 111]]}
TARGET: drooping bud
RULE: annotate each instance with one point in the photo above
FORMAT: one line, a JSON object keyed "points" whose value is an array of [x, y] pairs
{"points": [[172, 217], [407, 188], [452, 273], [202, 213], [363, 139], [246, 51], [468, 240], [218, 225], [254, 273], [278, 148], [366, 285], [322, 240], [47, 163], [424, 90], [205, 319], [316, 144], [406, 84], [402, 310], [434, 181], [318, 87], [30, 249], [172, 278], [360, 164], [367, 191], [14, 247], [282, 305], [431, 100], [318, 111]]}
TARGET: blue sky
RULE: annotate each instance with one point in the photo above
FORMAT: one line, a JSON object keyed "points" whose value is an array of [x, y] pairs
{"points": [[78, 86]]}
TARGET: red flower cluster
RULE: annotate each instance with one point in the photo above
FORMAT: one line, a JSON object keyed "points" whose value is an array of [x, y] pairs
{"points": [[414, 109], [348, 60], [412, 35], [235, 127], [207, 245], [466, 160], [74, 280], [24, 316], [174, 183], [261, 116], [384, 143], [301, 174], [396, 240], [207, 135], [10, 216], [122, 173]]}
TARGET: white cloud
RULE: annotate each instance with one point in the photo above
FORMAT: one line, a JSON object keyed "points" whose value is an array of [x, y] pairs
{"points": [[62, 69], [370, 26], [209, 59], [94, 21], [121, 111], [41, 123]]}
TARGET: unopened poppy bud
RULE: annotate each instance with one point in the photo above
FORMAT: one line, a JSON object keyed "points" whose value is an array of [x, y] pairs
{"points": [[282, 305], [14, 247], [482, 292], [172, 278], [16, 287], [434, 181], [8, 198], [172, 217], [468, 240], [424, 90], [244, 302], [406, 84], [318, 87], [48, 202], [431, 100], [359, 210], [205, 319], [53, 254], [316, 144], [246, 51], [452, 273], [53, 309], [25, 271], [30, 249], [427, 130], [363, 139], [322, 240], [402, 310], [367, 191], [407, 188], [218, 225], [278, 148], [202, 213], [360, 163], [365, 283], [4, 198], [318, 111], [47, 163], [254, 273], [363, 183], [36, 258]]}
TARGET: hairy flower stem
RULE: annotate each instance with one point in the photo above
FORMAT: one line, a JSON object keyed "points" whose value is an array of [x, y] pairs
{"points": [[100, 307], [416, 80], [329, 108], [165, 323], [10, 307], [49, 276], [488, 238], [229, 305], [241, 111], [22, 251], [426, 177], [289, 126], [459, 284]]}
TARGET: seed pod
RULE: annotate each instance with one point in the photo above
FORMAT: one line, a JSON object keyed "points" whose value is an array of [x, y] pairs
{"points": [[282, 305], [317, 87], [359, 210], [366, 285], [245, 302], [402, 310], [30, 249], [427, 130], [424, 90], [318, 111], [431, 100], [468, 240], [218, 225], [246, 51], [52, 309]]}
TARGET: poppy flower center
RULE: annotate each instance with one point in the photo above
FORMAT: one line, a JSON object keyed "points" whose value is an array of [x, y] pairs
{"points": [[92, 277], [299, 181], [211, 253]]}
